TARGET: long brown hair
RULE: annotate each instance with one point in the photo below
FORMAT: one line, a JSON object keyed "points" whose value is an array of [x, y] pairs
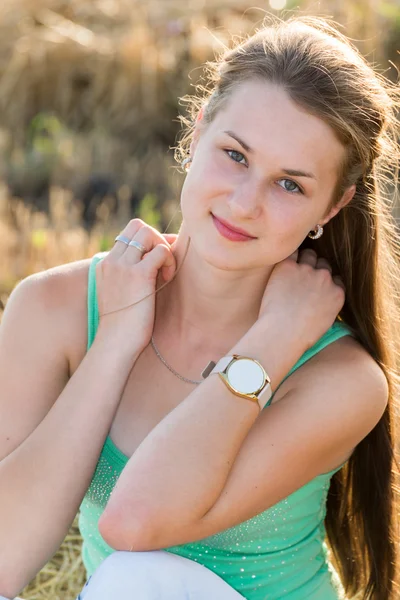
{"points": [[325, 74]]}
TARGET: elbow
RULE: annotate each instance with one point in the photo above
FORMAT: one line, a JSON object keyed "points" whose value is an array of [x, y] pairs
{"points": [[14, 577], [9, 588], [123, 533]]}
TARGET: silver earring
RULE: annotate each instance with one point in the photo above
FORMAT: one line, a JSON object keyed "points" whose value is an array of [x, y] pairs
{"points": [[316, 234], [185, 163]]}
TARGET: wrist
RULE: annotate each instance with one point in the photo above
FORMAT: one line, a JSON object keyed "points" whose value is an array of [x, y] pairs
{"points": [[117, 349], [273, 347]]}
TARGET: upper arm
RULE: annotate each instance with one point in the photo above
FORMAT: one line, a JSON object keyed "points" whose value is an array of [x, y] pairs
{"points": [[34, 332]]}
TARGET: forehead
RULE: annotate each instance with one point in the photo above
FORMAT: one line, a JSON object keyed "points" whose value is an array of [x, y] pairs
{"points": [[271, 123]]}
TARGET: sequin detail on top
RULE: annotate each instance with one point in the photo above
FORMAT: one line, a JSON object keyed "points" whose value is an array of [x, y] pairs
{"points": [[278, 554]]}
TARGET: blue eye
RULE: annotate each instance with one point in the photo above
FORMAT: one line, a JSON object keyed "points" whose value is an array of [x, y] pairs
{"points": [[290, 188], [235, 152]]}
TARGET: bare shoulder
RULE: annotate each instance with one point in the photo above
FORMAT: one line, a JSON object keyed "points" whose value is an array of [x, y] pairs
{"points": [[346, 355], [62, 278], [344, 370], [61, 293], [58, 288]]}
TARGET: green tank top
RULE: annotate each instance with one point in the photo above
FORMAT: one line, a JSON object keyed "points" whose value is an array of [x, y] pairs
{"points": [[280, 554]]}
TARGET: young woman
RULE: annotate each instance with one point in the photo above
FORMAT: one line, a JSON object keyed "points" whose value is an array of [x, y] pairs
{"points": [[230, 435]]}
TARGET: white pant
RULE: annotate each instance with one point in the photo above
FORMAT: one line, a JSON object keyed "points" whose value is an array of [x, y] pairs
{"points": [[155, 575]]}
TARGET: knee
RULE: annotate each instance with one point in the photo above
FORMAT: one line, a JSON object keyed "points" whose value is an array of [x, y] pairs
{"points": [[120, 575]]}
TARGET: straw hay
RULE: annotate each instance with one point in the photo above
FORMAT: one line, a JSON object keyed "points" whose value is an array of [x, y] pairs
{"points": [[64, 576], [118, 64]]}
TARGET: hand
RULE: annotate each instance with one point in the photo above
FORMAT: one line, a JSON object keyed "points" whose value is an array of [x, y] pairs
{"points": [[125, 277], [303, 297]]}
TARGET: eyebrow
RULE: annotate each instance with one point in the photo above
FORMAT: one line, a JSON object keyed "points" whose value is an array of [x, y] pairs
{"points": [[293, 172]]}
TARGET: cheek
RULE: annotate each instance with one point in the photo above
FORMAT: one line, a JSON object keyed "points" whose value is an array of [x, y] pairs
{"points": [[283, 214], [288, 225], [190, 200], [210, 178], [202, 187]]}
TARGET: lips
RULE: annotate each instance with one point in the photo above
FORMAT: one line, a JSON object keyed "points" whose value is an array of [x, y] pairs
{"points": [[233, 228]]}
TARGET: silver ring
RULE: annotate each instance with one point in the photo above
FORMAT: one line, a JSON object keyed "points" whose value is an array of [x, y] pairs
{"points": [[122, 238], [137, 245]]}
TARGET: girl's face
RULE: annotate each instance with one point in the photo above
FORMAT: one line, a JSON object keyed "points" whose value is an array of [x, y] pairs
{"points": [[275, 183]]}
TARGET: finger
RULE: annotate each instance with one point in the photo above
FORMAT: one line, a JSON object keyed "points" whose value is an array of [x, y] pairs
{"points": [[170, 237], [160, 257], [148, 237], [308, 256], [129, 231], [294, 256], [339, 281], [322, 263]]}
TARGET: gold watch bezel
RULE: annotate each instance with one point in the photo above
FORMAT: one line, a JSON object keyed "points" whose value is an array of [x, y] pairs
{"points": [[251, 396]]}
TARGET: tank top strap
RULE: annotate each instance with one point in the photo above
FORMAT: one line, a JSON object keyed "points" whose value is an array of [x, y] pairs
{"points": [[92, 305], [336, 331]]}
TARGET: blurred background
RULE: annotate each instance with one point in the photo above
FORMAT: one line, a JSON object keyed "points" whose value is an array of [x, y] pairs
{"points": [[89, 99]]}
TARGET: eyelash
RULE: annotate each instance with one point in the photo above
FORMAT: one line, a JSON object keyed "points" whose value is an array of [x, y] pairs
{"points": [[227, 150]]}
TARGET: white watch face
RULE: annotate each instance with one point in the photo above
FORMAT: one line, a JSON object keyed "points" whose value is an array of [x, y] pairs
{"points": [[245, 376]]}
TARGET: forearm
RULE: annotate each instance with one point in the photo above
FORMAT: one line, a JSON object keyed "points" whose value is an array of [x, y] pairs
{"points": [[180, 469], [44, 480]]}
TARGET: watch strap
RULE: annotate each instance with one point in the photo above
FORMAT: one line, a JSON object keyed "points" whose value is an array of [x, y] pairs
{"points": [[222, 364]]}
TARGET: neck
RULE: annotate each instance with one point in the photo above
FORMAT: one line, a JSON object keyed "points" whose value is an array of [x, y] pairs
{"points": [[206, 308]]}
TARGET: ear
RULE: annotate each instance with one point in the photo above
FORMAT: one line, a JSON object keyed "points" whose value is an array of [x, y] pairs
{"points": [[347, 196]]}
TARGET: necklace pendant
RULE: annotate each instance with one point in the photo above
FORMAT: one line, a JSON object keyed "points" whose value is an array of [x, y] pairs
{"points": [[205, 373]]}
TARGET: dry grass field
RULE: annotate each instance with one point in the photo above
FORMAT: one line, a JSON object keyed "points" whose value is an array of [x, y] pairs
{"points": [[64, 576]]}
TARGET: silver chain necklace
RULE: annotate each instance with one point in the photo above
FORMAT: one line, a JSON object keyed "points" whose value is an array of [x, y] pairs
{"points": [[204, 374]]}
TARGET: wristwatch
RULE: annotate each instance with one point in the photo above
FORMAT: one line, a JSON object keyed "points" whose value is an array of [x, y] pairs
{"points": [[244, 376]]}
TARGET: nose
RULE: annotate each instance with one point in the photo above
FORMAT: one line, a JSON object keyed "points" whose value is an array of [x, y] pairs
{"points": [[246, 201]]}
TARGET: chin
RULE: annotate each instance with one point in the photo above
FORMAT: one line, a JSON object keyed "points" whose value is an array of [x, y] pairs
{"points": [[217, 254]]}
